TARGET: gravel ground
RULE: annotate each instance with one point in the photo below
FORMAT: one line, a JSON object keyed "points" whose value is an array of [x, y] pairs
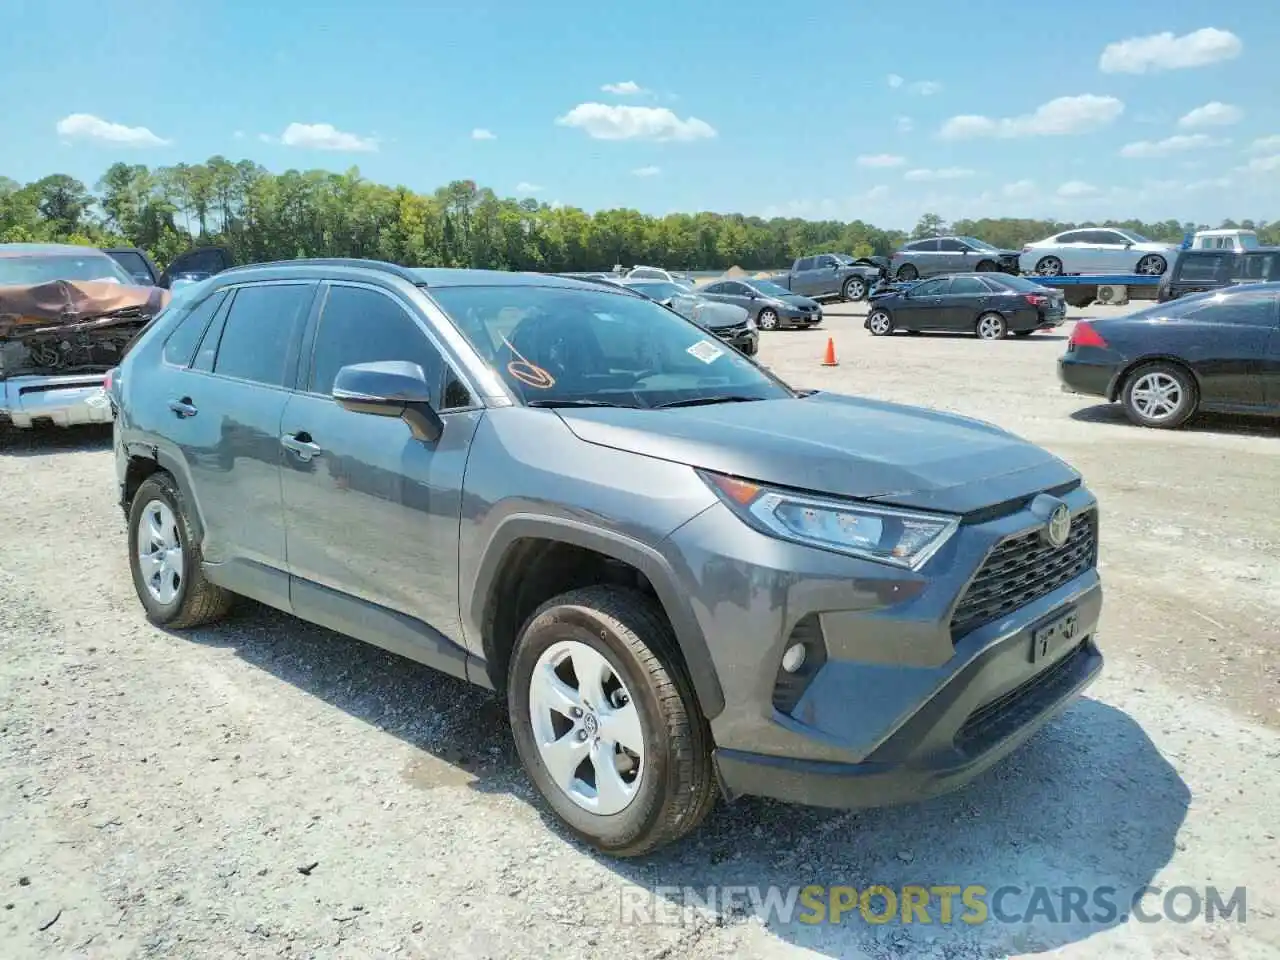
{"points": [[266, 788]]}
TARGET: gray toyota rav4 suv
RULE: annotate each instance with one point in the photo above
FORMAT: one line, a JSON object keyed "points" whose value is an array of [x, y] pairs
{"points": [[687, 578]]}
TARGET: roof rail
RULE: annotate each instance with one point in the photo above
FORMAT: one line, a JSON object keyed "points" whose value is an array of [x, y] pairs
{"points": [[382, 265]]}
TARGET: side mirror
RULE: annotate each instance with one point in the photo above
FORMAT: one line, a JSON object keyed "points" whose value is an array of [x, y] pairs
{"points": [[390, 388]]}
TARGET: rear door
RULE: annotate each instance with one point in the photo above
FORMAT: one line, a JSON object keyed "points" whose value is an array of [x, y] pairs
{"points": [[965, 300], [729, 291], [802, 275], [1074, 250], [926, 258], [922, 308]]}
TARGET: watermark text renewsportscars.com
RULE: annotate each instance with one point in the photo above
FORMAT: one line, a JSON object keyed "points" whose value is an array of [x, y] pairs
{"points": [[942, 904]]}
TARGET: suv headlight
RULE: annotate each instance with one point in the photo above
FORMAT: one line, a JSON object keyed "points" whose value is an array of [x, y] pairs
{"points": [[902, 538]]}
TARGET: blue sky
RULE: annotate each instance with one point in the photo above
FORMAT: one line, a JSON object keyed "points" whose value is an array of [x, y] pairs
{"points": [[847, 109]]}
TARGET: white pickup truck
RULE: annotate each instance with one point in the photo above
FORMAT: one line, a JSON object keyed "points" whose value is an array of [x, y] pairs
{"points": [[1238, 240]]}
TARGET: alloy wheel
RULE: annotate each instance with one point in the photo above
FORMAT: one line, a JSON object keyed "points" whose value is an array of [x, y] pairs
{"points": [[1049, 267], [587, 728], [1156, 396], [768, 320], [1152, 265], [879, 323], [160, 555]]}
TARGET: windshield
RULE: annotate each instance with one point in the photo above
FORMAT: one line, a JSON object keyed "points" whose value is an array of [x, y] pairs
{"points": [[44, 268], [976, 243], [843, 258], [659, 290], [565, 346], [769, 288], [1249, 241]]}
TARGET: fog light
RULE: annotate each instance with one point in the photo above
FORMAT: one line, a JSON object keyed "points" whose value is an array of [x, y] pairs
{"points": [[793, 659]]}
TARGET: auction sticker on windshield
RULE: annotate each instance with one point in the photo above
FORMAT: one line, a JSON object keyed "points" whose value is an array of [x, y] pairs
{"points": [[706, 351]]}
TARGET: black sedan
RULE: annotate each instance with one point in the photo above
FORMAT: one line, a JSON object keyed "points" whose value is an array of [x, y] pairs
{"points": [[990, 305], [770, 305], [1217, 351]]}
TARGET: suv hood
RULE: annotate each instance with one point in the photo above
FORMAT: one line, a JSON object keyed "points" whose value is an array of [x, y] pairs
{"points": [[841, 446]]}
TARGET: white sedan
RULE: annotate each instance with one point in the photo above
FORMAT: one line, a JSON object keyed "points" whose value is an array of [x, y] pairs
{"points": [[1096, 250]]}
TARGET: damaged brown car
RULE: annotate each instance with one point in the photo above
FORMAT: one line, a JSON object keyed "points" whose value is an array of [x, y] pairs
{"points": [[67, 314]]}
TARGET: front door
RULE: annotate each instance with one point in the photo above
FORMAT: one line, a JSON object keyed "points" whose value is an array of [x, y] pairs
{"points": [[227, 401], [922, 307], [371, 512]]}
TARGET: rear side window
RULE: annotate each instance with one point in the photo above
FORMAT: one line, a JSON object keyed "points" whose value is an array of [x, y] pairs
{"points": [[926, 246], [968, 285], [359, 325], [1203, 269], [181, 345], [261, 328], [1254, 309], [804, 264], [932, 288], [952, 246], [1256, 266]]}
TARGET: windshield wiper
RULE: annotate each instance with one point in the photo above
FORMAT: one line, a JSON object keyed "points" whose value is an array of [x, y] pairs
{"points": [[571, 403], [700, 401]]}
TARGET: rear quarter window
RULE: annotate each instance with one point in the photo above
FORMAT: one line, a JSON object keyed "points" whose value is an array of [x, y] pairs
{"points": [[181, 345], [1203, 268]]}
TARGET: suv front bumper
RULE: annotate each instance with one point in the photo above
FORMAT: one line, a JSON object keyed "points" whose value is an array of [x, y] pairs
{"points": [[62, 401], [897, 708]]}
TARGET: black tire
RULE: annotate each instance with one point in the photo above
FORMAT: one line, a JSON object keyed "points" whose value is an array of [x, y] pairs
{"points": [[855, 289], [880, 323], [987, 266], [991, 326], [1156, 265], [767, 319], [197, 600], [678, 787], [1189, 395], [907, 272], [1049, 266]]}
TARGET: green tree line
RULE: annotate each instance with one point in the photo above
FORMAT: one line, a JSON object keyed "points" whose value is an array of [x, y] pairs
{"points": [[260, 216]]}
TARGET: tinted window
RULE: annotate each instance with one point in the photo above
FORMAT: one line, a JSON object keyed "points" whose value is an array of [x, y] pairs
{"points": [[1105, 236], [932, 288], [968, 285], [824, 263], [927, 246], [364, 326], [951, 246], [735, 289], [1251, 309], [182, 341], [716, 288], [805, 263], [1072, 236], [200, 261], [1020, 284], [260, 330], [1203, 268], [133, 262], [1255, 266]]}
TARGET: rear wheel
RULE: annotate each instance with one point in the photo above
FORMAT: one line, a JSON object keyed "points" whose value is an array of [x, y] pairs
{"points": [[991, 326], [1160, 395], [1152, 265], [855, 288], [1049, 267], [606, 724], [165, 559], [880, 323], [987, 266]]}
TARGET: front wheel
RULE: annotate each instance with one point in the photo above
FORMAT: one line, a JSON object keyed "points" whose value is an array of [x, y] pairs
{"points": [[1152, 265], [855, 288], [991, 326], [1159, 395], [880, 323], [1049, 267], [907, 272], [768, 319], [606, 725], [987, 266]]}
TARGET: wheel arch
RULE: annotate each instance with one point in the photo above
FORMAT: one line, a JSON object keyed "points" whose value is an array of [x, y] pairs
{"points": [[1124, 373], [144, 460], [498, 576]]}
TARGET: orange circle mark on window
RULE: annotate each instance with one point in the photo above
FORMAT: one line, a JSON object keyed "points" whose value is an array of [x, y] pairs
{"points": [[533, 376]]}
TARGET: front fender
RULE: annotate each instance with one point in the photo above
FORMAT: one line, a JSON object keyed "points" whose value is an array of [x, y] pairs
{"points": [[645, 558]]}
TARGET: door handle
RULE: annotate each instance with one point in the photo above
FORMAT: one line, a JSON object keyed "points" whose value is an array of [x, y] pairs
{"points": [[300, 444], [183, 408]]}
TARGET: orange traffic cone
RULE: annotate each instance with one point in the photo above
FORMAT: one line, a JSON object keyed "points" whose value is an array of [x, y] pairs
{"points": [[830, 359]]}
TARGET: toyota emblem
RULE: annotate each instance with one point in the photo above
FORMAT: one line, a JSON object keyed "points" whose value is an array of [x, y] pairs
{"points": [[1058, 528]]}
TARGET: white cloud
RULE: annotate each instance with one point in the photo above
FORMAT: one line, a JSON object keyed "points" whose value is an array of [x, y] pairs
{"points": [[1266, 144], [627, 88], [603, 121], [877, 193], [1215, 114], [1263, 164], [1164, 51], [324, 136], [1076, 188], [238, 135], [881, 160], [524, 187], [1064, 115], [85, 126], [1019, 190], [926, 88], [646, 171], [1178, 143], [942, 173], [905, 124], [895, 81], [480, 133]]}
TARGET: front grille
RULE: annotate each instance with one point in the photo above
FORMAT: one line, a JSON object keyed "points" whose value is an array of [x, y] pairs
{"points": [[1023, 568], [728, 333]]}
